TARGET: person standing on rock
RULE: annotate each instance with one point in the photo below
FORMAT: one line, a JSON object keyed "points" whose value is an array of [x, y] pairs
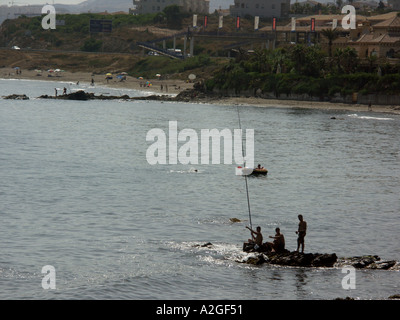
{"points": [[301, 232]]}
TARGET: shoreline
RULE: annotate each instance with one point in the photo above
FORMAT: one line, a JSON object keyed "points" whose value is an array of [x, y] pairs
{"points": [[173, 87], [301, 104], [158, 86]]}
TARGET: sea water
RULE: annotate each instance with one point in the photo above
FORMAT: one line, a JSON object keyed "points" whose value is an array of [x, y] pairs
{"points": [[78, 194]]}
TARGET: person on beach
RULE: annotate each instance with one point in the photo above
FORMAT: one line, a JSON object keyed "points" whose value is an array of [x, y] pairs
{"points": [[301, 232], [65, 91], [278, 245], [258, 238], [55, 89]]}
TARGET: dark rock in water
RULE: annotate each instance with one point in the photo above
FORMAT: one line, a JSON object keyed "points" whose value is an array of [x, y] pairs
{"points": [[208, 244], [366, 262], [395, 296], [324, 260], [255, 260], [17, 97], [382, 265], [78, 95], [298, 259], [294, 259], [83, 96], [328, 260]]}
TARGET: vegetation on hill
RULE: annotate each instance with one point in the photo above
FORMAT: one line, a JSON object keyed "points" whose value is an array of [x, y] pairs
{"points": [[27, 32], [305, 70], [135, 65]]}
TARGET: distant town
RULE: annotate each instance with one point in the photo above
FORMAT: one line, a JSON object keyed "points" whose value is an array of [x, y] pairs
{"points": [[377, 30]]}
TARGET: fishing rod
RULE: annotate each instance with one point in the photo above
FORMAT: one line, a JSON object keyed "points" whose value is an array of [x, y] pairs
{"points": [[245, 175]]}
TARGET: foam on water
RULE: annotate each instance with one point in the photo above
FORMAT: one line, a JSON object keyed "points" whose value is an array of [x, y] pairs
{"points": [[356, 116]]}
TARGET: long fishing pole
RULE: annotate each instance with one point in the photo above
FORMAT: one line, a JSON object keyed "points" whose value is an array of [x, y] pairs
{"points": [[245, 175]]}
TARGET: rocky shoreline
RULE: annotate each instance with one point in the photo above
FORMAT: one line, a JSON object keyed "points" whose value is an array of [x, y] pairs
{"points": [[197, 94], [325, 260], [84, 96]]}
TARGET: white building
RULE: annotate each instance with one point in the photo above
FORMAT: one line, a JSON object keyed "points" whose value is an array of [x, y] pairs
{"points": [[153, 6], [261, 8]]}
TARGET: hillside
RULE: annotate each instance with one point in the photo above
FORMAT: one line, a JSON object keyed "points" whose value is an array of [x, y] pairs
{"points": [[71, 46], [127, 30], [97, 63]]}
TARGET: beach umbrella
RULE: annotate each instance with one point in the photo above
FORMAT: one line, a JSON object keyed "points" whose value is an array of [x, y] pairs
{"points": [[108, 74], [140, 78], [158, 75], [124, 73]]}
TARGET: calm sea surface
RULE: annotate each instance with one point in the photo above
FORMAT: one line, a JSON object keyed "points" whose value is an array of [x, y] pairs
{"points": [[77, 193]]}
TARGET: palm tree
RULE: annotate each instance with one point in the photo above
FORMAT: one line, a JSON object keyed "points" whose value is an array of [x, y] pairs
{"points": [[346, 60], [331, 35]]}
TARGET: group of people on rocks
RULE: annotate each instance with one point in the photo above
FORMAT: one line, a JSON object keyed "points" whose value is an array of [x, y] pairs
{"points": [[278, 244]]}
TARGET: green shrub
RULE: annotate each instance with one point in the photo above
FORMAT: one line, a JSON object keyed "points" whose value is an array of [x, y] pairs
{"points": [[92, 45]]}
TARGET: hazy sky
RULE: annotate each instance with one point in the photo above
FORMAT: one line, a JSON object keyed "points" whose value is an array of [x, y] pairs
{"points": [[26, 2]]}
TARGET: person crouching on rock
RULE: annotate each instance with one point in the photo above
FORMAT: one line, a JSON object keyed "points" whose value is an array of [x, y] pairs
{"points": [[257, 240], [278, 245]]}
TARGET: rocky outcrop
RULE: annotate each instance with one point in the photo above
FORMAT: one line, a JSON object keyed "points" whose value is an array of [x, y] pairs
{"points": [[83, 96], [368, 262], [288, 258], [16, 97], [294, 259], [328, 260], [78, 95]]}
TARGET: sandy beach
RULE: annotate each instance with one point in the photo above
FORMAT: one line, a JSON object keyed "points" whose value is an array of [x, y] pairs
{"points": [[158, 86], [173, 87], [259, 102]]}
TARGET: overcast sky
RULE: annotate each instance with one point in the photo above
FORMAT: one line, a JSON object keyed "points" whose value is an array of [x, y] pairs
{"points": [[26, 2]]}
